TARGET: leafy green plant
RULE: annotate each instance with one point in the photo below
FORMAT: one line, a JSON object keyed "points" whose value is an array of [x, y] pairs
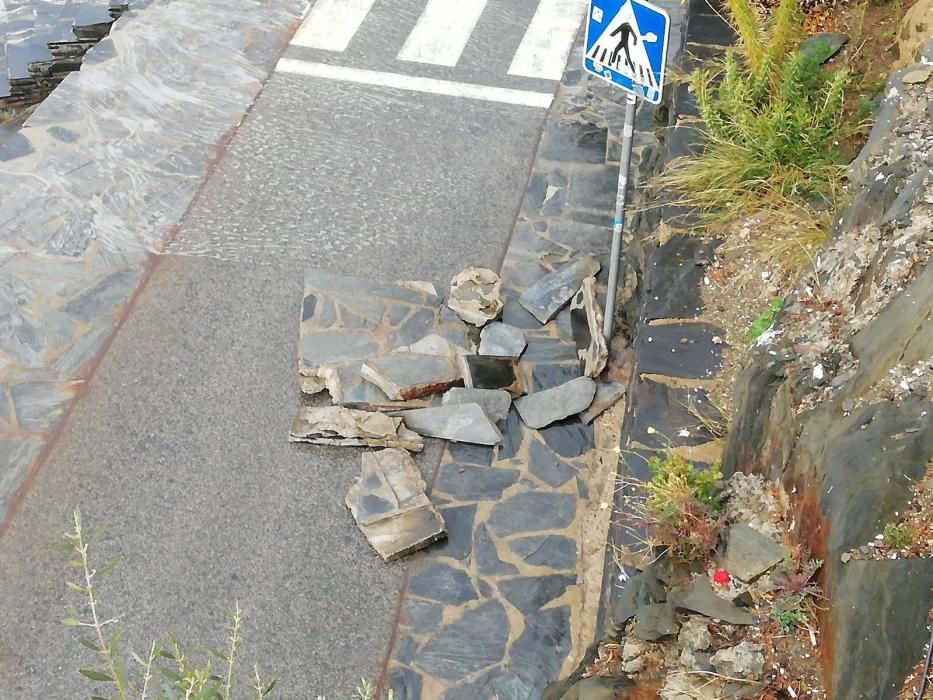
{"points": [[790, 612], [364, 691], [796, 592], [169, 670], [898, 535], [764, 321]]}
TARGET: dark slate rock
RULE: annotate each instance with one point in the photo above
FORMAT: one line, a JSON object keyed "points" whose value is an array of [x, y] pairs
{"points": [[674, 277], [544, 465], [698, 596], [516, 315], [654, 621], [665, 411], [583, 490], [879, 616], [543, 646], [595, 189], [542, 408], [405, 650], [474, 642], [749, 554], [573, 142], [531, 512], [498, 683], [104, 297], [470, 454], [421, 616], [607, 394], [582, 238], [534, 195], [459, 522], [469, 483], [307, 307], [552, 551], [550, 350], [513, 433], [492, 372], [530, 593], [442, 583], [548, 376], [710, 29], [549, 294], [568, 438], [679, 350], [823, 46], [487, 558], [405, 684], [683, 140], [643, 589]]}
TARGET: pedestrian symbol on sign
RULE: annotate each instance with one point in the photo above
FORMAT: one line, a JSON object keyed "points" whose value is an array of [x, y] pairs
{"points": [[626, 43]]}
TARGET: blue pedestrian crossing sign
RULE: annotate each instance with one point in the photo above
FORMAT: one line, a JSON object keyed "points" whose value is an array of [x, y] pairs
{"points": [[626, 44]]}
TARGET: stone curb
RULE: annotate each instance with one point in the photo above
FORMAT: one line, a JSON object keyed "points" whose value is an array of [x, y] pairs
{"points": [[97, 179]]}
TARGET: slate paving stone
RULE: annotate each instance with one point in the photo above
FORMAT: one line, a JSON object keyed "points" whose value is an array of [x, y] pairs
{"points": [[486, 556], [492, 372], [405, 683], [39, 406], [459, 523], [581, 237], [463, 423], [552, 551], [550, 350], [607, 395], [547, 467], [498, 683], [670, 416], [421, 616], [568, 438], [406, 376], [468, 483], [495, 402], [442, 583], [675, 277], [549, 294], [531, 512], [405, 650], [679, 350], [516, 315], [531, 593], [544, 643], [548, 376], [502, 339], [513, 435], [542, 408], [465, 453], [574, 142], [104, 297], [475, 641], [594, 189]]}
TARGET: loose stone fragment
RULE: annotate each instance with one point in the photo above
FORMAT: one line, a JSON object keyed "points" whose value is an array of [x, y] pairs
{"points": [[694, 635], [390, 507], [654, 621], [457, 423], [823, 46], [502, 339], [495, 402], [406, 376], [336, 425], [418, 286], [586, 323], [744, 660], [549, 294], [433, 344], [492, 372], [749, 553], [544, 407], [475, 295], [699, 596], [607, 393]]}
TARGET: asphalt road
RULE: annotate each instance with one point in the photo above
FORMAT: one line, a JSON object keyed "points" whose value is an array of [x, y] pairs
{"points": [[178, 449]]}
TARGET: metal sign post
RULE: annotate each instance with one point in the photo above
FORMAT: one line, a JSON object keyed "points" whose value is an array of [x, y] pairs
{"points": [[626, 45]]}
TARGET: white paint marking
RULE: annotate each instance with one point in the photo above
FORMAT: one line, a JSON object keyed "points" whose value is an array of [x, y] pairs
{"points": [[442, 32], [331, 24], [546, 45], [408, 82]]}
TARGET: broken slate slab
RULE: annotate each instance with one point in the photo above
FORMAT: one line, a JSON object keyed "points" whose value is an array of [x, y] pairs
{"points": [[336, 425], [457, 423], [404, 376], [545, 407], [492, 372], [607, 394], [654, 621], [502, 339], [433, 344], [586, 324], [495, 402], [749, 553], [475, 296], [390, 507], [699, 596], [549, 294]]}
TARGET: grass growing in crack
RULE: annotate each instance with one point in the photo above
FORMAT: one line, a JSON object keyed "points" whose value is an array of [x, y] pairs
{"points": [[898, 536], [794, 604], [774, 119], [169, 669], [679, 509], [761, 324]]}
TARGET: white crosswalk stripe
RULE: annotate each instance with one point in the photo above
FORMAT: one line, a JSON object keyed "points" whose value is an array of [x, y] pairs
{"points": [[442, 32], [444, 29], [546, 45], [331, 24]]}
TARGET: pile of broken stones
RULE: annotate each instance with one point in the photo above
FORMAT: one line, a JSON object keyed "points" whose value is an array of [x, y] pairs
{"points": [[400, 365]]}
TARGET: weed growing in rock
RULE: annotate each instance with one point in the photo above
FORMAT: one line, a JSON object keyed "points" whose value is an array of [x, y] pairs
{"points": [[681, 507], [898, 536], [764, 321], [169, 670], [794, 605]]}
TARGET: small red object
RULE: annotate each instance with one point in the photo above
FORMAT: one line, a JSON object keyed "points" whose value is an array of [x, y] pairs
{"points": [[721, 577]]}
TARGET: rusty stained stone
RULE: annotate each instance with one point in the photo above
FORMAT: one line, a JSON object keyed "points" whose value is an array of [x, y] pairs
{"points": [[336, 425], [390, 507], [405, 376]]}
